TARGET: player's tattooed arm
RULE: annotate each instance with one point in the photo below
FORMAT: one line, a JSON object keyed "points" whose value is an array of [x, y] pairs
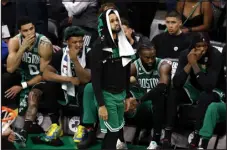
{"points": [[45, 52], [33, 102]]}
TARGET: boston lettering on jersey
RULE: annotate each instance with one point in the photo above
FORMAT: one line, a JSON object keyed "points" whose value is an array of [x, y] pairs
{"points": [[30, 63], [148, 80]]}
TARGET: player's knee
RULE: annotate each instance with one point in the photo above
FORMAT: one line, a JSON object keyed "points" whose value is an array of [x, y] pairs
{"points": [[212, 108], [34, 96]]}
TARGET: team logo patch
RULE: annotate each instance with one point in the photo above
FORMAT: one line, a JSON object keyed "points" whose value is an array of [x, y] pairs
{"points": [[73, 123]]}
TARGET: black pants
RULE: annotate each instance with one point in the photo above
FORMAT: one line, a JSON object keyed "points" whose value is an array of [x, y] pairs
{"points": [[9, 80], [204, 100], [6, 145], [179, 96], [176, 96], [51, 92]]}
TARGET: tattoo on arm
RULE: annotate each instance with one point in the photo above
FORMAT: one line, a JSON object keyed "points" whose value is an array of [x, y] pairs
{"points": [[33, 101]]}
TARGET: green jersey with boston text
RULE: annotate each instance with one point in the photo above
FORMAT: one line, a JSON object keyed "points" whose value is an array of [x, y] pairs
{"points": [[148, 80], [30, 63]]}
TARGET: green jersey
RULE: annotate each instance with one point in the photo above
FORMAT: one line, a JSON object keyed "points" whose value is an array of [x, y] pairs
{"points": [[30, 63], [148, 80]]}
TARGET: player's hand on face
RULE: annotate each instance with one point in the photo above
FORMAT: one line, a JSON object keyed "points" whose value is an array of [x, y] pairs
{"points": [[28, 41], [103, 114], [192, 57], [13, 91], [73, 53]]}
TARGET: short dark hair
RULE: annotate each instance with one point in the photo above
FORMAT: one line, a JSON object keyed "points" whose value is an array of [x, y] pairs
{"points": [[73, 31], [125, 22], [23, 21], [173, 13], [145, 44]]}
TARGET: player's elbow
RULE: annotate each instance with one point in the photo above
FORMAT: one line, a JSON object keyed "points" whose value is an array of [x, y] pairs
{"points": [[10, 69]]}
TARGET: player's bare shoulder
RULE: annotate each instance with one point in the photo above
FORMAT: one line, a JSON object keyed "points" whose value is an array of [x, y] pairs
{"points": [[14, 44], [45, 48], [44, 45]]}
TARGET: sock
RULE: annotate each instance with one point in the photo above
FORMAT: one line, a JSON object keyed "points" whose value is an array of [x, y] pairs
{"points": [[89, 127], [27, 124], [168, 133], [110, 140], [195, 140], [205, 143], [54, 117], [121, 135]]}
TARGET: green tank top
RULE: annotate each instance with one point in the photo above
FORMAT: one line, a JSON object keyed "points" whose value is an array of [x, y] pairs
{"points": [[148, 80], [30, 63]]}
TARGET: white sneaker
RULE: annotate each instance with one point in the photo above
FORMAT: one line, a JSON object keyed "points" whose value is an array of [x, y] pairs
{"points": [[153, 145], [121, 145]]}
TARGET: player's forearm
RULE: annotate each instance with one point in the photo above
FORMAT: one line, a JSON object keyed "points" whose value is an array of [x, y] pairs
{"points": [[51, 76], [34, 80], [14, 62], [83, 75]]}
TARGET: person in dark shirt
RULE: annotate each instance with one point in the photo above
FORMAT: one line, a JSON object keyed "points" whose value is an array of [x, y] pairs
{"points": [[110, 70], [169, 44], [66, 76], [215, 109], [194, 81]]}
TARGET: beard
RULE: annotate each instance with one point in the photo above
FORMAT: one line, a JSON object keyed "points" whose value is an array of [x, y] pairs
{"points": [[116, 30]]}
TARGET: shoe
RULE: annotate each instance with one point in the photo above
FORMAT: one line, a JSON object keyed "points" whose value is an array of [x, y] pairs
{"points": [[80, 134], [195, 141], [88, 140], [166, 144], [153, 145], [53, 133], [121, 145], [21, 138]]}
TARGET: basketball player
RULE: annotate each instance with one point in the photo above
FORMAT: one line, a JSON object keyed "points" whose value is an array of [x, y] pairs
{"points": [[152, 75], [110, 71], [194, 82], [29, 54], [80, 75]]}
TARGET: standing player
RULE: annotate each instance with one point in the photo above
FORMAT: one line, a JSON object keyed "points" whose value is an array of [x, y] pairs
{"points": [[110, 71], [153, 77], [29, 54]]}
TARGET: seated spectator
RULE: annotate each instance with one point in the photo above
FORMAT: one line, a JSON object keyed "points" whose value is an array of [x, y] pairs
{"points": [[29, 54], [36, 10], [83, 14], [106, 6], [152, 76], [4, 52], [196, 15], [211, 106], [69, 68], [197, 73], [9, 16], [169, 44]]}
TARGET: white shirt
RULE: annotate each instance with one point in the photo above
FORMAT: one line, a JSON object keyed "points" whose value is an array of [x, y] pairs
{"points": [[75, 8]]}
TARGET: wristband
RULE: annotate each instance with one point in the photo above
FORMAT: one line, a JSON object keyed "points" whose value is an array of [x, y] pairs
{"points": [[24, 85]]}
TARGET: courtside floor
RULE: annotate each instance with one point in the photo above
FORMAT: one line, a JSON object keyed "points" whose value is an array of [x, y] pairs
{"points": [[68, 145]]}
